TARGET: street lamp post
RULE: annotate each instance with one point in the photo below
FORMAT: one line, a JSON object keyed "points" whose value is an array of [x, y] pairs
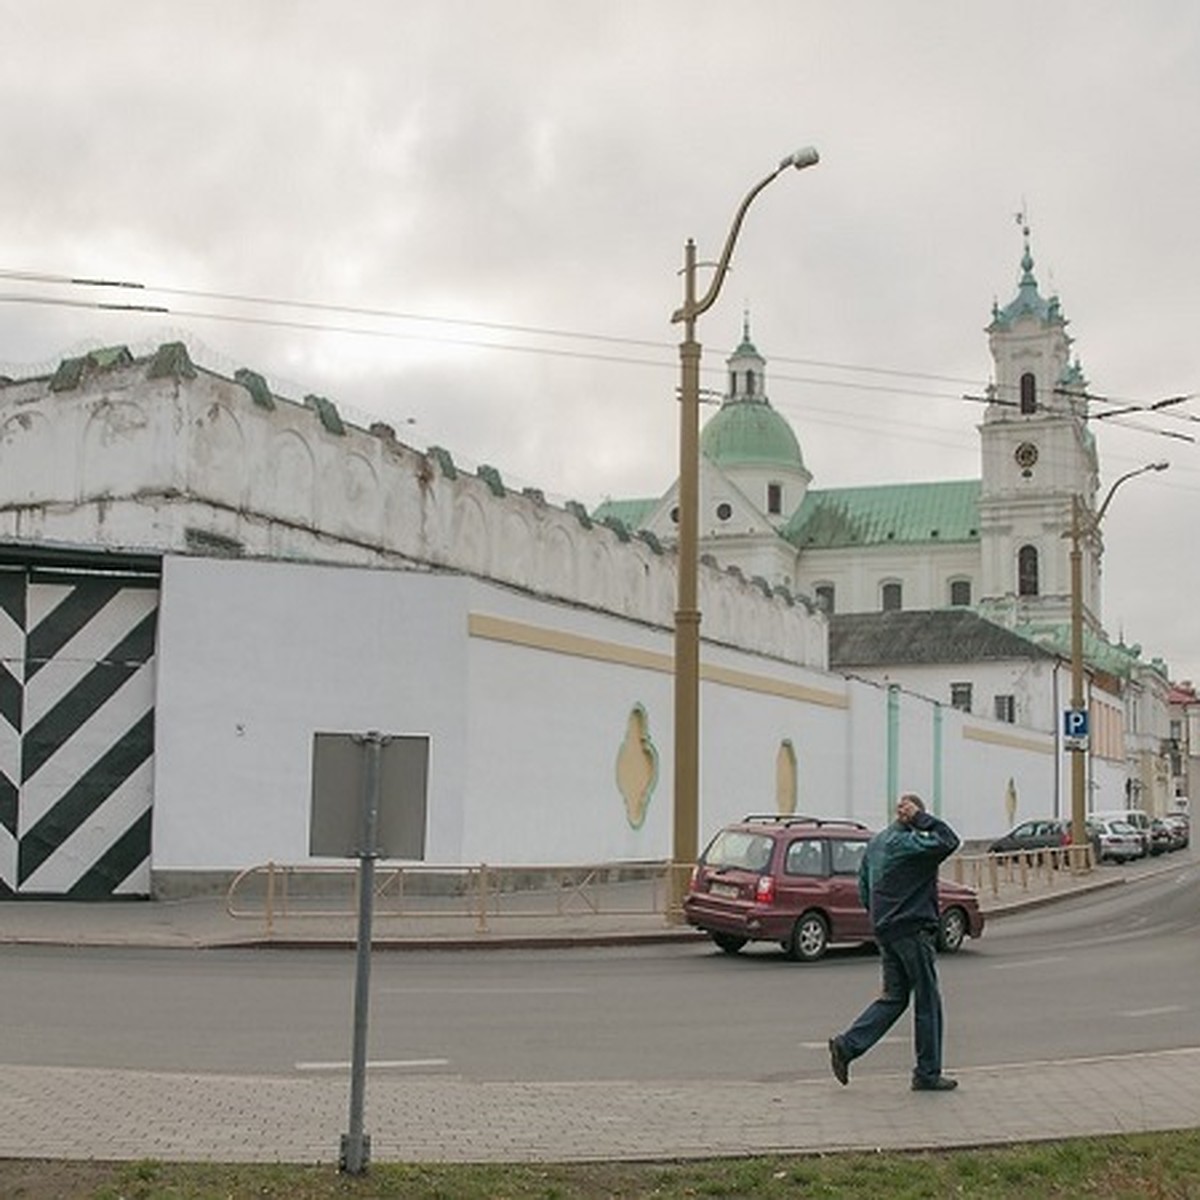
{"points": [[687, 614], [1082, 524]]}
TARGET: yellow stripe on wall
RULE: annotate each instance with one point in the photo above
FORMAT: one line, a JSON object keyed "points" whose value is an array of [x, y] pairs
{"points": [[576, 645], [995, 738]]}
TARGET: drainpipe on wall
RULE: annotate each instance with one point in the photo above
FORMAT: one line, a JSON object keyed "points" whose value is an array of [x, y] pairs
{"points": [[893, 748], [937, 758]]}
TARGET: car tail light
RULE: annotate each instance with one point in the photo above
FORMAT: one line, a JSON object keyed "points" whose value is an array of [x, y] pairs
{"points": [[764, 890]]}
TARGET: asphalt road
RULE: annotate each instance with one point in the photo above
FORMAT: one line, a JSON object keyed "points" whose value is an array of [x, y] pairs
{"points": [[1112, 973]]}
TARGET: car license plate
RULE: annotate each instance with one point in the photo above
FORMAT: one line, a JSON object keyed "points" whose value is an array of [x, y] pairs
{"points": [[728, 890]]}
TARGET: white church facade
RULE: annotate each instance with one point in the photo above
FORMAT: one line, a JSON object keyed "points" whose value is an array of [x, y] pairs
{"points": [[998, 546]]}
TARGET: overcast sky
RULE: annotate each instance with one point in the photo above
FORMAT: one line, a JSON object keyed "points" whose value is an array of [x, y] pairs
{"points": [[514, 180]]}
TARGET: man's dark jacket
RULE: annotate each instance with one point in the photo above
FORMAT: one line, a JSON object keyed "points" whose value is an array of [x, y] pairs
{"points": [[897, 880]]}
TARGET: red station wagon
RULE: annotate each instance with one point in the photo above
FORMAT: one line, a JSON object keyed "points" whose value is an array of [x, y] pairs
{"points": [[794, 880]]}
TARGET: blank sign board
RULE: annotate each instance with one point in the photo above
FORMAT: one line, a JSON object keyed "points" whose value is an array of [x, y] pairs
{"points": [[339, 781]]}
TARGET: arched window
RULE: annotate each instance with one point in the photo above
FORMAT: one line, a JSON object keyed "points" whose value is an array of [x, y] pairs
{"points": [[749, 383], [825, 595], [891, 596], [1028, 393], [1027, 571]]}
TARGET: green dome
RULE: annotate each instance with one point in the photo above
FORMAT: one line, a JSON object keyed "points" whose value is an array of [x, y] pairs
{"points": [[745, 434]]}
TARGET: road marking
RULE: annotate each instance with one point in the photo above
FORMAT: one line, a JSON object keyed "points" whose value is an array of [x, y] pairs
{"points": [[453, 990], [1025, 962], [1154, 1012], [380, 1064], [892, 1037]]}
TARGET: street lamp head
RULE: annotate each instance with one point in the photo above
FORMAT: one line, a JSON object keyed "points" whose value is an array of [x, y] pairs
{"points": [[806, 156]]}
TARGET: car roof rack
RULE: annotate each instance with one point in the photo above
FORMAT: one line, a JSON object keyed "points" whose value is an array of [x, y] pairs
{"points": [[799, 819]]}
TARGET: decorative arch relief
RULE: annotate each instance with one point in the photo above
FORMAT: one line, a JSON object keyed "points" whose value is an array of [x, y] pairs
{"points": [[637, 766], [787, 779]]}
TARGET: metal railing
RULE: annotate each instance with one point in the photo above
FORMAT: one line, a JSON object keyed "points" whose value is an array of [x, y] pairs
{"points": [[475, 896], [1026, 869]]}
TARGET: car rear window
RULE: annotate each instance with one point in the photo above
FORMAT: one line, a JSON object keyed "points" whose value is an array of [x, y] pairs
{"points": [[737, 848]]}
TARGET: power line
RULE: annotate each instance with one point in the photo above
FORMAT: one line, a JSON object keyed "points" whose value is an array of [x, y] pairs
{"points": [[1159, 408]]}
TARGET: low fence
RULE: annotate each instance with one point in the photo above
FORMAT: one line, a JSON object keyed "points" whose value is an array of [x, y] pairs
{"points": [[476, 897], [483, 899], [1028, 870]]}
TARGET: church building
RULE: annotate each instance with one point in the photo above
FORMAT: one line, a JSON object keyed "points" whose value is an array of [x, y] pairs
{"points": [[996, 549]]}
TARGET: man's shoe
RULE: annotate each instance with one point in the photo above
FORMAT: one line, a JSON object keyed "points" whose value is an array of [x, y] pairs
{"points": [[839, 1064], [939, 1083]]}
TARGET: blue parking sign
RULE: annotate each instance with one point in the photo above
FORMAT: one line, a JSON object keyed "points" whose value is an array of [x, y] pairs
{"points": [[1075, 722]]}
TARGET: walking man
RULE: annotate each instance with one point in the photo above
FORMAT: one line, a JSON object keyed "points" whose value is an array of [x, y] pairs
{"points": [[897, 883]]}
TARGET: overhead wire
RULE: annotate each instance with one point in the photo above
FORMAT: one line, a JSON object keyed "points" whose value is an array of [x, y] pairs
{"points": [[1165, 408]]}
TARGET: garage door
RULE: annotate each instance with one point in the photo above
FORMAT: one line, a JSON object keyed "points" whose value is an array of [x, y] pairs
{"points": [[76, 732]]}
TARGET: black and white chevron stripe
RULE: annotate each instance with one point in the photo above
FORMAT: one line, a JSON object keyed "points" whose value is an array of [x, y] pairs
{"points": [[12, 674], [83, 699]]}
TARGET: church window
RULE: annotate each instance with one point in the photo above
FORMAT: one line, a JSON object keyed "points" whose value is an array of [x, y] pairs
{"points": [[960, 696], [775, 498], [1027, 571], [824, 594], [960, 593], [891, 595], [1028, 393], [733, 383], [724, 511], [749, 383]]}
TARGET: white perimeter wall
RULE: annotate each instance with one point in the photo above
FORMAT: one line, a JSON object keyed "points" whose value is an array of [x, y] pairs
{"points": [[526, 702]]}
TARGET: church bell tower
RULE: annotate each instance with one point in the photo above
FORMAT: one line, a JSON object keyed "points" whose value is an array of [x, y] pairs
{"points": [[1039, 459]]}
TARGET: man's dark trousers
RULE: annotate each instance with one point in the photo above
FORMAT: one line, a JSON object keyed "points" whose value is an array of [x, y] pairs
{"points": [[909, 968]]}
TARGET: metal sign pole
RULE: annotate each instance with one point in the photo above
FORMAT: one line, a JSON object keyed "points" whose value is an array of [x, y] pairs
{"points": [[356, 1145]]}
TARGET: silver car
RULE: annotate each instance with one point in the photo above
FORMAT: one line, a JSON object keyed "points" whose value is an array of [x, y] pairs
{"points": [[1119, 841]]}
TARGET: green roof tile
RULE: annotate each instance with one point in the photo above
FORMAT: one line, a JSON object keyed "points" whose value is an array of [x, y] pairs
{"points": [[631, 513], [906, 513]]}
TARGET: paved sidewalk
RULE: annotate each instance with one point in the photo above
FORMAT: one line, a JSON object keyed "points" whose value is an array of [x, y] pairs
{"points": [[54, 1112], [75, 1113]]}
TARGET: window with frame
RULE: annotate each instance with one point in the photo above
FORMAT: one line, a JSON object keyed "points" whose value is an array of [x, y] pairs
{"points": [[891, 597], [805, 857], [1006, 709], [1027, 571], [775, 498], [960, 593], [824, 593], [846, 856], [1028, 393], [960, 696]]}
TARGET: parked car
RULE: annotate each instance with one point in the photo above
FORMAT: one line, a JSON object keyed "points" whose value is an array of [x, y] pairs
{"points": [[1043, 833], [1137, 817], [1163, 837], [1181, 827], [1119, 841], [794, 880]]}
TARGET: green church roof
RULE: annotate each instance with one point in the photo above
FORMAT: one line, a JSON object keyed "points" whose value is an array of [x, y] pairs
{"points": [[887, 514], [1028, 301], [750, 433], [631, 513]]}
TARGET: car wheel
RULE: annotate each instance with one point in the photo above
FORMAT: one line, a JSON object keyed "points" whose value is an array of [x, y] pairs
{"points": [[731, 943], [810, 938], [952, 930]]}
